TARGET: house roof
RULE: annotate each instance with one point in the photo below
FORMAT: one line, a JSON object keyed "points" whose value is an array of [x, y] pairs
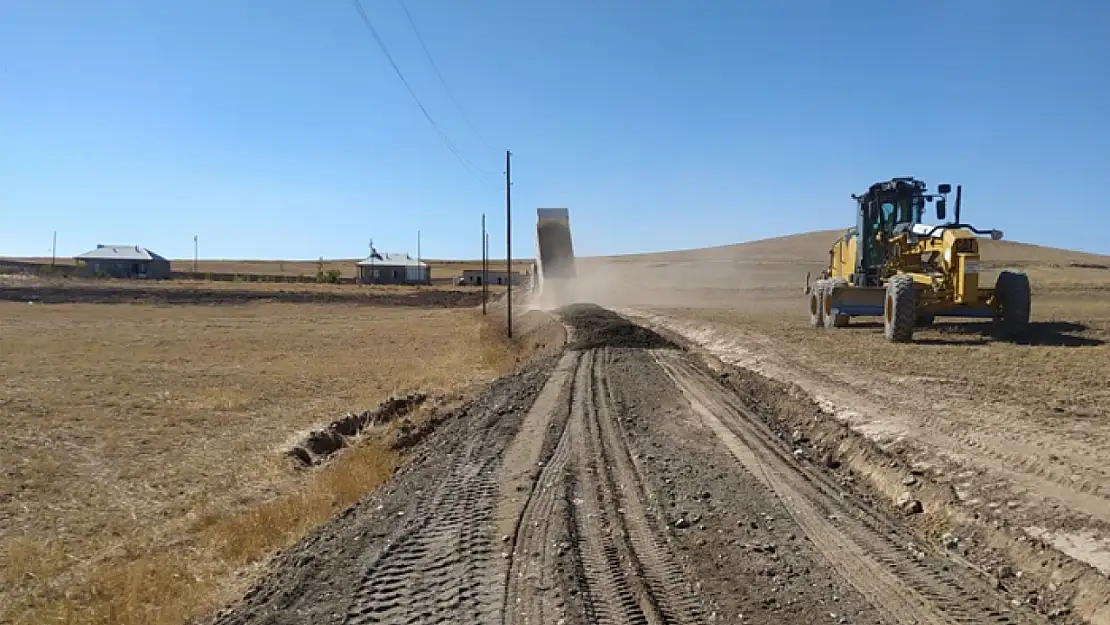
{"points": [[392, 259], [119, 252]]}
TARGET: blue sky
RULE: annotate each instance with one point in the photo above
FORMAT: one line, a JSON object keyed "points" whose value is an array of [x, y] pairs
{"points": [[278, 129]]}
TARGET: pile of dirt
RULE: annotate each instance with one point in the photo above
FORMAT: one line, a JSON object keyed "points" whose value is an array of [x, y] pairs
{"points": [[593, 327], [183, 296], [321, 444]]}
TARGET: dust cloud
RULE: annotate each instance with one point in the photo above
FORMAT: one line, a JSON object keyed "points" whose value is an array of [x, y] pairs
{"points": [[654, 282]]}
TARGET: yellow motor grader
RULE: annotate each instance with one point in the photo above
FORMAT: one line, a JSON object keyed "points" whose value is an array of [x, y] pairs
{"points": [[894, 266]]}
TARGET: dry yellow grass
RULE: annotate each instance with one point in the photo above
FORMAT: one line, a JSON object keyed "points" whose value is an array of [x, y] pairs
{"points": [[143, 475]]}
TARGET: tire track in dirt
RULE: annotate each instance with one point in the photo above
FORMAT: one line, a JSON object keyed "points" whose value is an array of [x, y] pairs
{"points": [[660, 571], [865, 549], [589, 508], [541, 529], [442, 567], [999, 441], [631, 575], [439, 568]]}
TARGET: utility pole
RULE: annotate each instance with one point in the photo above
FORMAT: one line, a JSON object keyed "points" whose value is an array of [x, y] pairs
{"points": [[195, 253], [509, 242], [54, 250], [419, 267], [485, 265]]}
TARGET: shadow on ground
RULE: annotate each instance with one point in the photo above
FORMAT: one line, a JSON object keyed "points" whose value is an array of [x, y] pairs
{"points": [[964, 333], [1041, 333]]}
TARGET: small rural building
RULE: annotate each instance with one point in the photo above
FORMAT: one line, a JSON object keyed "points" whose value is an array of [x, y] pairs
{"points": [[123, 261], [391, 268], [473, 277]]}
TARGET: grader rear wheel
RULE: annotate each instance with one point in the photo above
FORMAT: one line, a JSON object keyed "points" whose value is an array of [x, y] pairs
{"points": [[817, 305], [834, 320]]}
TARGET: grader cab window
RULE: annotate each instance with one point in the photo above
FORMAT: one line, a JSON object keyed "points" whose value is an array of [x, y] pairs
{"points": [[905, 210]]}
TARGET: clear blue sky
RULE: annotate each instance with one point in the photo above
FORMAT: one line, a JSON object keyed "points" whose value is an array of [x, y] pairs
{"points": [[278, 129]]}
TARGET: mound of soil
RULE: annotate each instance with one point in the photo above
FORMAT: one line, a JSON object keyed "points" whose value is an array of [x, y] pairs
{"points": [[593, 327], [170, 295]]}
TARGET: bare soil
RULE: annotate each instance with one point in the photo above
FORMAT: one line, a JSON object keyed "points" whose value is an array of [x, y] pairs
{"points": [[621, 483]]}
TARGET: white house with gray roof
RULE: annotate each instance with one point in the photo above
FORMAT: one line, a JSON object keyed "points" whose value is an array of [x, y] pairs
{"points": [[123, 261], [392, 268]]}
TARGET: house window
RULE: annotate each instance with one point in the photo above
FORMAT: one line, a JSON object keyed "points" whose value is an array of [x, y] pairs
{"points": [[396, 274], [375, 273]]}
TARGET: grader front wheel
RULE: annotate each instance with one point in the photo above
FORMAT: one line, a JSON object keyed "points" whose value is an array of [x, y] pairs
{"points": [[899, 312], [1014, 297]]}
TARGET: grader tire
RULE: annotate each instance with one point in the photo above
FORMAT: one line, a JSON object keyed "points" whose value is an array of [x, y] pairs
{"points": [[898, 309], [834, 320], [1014, 298], [817, 305]]}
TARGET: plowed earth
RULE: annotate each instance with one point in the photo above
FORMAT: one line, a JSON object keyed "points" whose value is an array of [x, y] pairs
{"points": [[621, 482]]}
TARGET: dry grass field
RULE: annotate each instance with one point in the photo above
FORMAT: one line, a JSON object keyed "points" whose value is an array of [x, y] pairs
{"points": [[56, 290], [143, 445], [307, 268]]}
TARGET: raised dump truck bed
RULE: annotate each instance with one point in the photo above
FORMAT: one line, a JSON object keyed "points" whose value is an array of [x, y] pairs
{"points": [[554, 248]]}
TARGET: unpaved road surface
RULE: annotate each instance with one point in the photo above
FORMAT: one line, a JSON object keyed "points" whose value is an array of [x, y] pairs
{"points": [[1007, 464], [620, 482]]}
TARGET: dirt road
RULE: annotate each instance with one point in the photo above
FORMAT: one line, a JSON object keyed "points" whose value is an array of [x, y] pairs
{"points": [[620, 482], [1013, 456]]}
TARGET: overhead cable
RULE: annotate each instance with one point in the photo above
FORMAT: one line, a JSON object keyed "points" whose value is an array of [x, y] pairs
{"points": [[385, 50]]}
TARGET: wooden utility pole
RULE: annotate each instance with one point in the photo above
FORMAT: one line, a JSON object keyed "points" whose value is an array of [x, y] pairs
{"points": [[509, 242], [419, 267], [485, 265], [195, 253], [54, 250]]}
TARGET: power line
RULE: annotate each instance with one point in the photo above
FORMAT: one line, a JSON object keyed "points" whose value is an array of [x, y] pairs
{"points": [[442, 135], [442, 81]]}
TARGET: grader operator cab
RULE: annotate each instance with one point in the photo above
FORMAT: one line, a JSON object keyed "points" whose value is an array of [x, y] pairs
{"points": [[893, 265]]}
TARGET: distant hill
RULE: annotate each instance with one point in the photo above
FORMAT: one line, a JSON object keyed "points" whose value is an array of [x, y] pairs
{"points": [[813, 247]]}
